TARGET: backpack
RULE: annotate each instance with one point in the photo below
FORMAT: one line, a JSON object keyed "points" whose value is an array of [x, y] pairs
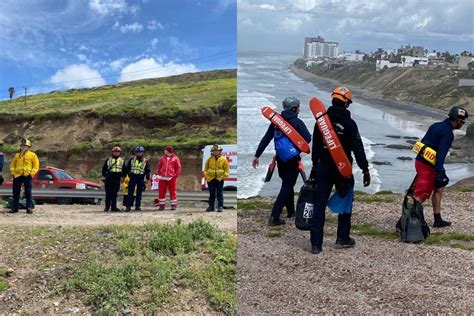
{"points": [[412, 225], [304, 205], [21, 203], [284, 148]]}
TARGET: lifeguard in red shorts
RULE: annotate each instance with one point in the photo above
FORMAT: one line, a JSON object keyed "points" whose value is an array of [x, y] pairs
{"points": [[168, 170], [430, 173]]}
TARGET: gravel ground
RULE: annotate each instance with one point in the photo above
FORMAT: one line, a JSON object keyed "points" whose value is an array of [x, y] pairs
{"points": [[90, 215], [279, 275]]}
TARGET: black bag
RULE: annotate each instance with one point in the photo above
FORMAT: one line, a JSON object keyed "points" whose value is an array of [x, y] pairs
{"points": [[21, 203], [304, 206], [412, 225]]}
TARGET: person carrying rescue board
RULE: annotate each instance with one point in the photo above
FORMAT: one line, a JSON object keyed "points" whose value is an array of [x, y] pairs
{"points": [[335, 136], [291, 137], [429, 164]]}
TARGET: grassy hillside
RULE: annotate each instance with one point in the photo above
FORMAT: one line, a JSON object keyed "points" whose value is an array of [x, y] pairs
{"points": [[77, 128], [434, 87]]}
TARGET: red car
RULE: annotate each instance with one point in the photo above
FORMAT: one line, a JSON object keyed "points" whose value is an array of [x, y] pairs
{"points": [[51, 178]]}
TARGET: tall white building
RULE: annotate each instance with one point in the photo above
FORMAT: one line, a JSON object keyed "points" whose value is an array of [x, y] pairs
{"points": [[322, 49]]}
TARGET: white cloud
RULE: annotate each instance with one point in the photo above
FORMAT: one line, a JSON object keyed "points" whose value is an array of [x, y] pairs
{"points": [[150, 68], [82, 57], [290, 25], [182, 48], [153, 25], [117, 64], [154, 43], [304, 5], [105, 7], [77, 76], [267, 6], [135, 27]]}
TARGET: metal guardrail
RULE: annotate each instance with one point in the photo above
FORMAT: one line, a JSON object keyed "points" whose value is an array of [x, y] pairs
{"points": [[230, 197]]}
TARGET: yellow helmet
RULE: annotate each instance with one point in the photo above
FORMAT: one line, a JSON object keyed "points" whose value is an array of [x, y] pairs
{"points": [[26, 142], [216, 147], [343, 94]]}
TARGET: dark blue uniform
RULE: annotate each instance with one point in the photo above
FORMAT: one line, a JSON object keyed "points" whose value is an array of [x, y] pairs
{"points": [[439, 137], [1, 167], [287, 171], [327, 174]]}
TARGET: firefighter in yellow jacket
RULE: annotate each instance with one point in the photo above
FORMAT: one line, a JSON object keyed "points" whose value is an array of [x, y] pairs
{"points": [[23, 168], [215, 171]]}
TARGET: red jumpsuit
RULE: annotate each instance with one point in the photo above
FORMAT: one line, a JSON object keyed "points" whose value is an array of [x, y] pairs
{"points": [[168, 170]]}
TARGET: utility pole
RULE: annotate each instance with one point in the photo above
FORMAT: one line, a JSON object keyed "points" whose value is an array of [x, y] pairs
{"points": [[25, 94]]}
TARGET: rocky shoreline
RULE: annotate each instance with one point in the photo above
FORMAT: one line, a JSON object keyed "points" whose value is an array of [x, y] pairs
{"points": [[463, 147]]}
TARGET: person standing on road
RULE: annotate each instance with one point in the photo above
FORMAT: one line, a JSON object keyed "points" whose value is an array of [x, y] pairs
{"points": [[432, 178], [216, 170], [138, 169], [288, 169], [23, 168], [112, 171], [326, 173], [168, 171]]}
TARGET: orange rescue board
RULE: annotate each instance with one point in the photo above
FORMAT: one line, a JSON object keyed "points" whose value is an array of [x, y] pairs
{"points": [[286, 129], [330, 138]]}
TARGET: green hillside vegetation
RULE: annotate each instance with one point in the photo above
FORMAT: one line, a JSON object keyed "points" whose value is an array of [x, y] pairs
{"points": [[188, 111], [433, 87], [189, 95]]}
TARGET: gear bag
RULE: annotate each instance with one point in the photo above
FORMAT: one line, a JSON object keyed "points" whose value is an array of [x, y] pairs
{"points": [[412, 224], [21, 203], [304, 205], [284, 148]]}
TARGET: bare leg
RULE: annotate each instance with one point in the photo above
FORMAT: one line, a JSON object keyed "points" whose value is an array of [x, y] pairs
{"points": [[436, 200]]}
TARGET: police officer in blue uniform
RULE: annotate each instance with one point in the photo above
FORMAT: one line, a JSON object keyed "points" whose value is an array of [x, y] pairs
{"points": [[326, 174], [288, 158]]}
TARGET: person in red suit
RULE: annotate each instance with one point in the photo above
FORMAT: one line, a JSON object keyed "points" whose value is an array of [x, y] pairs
{"points": [[168, 170]]}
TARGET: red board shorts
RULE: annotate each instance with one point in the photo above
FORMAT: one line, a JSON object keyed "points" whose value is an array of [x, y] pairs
{"points": [[425, 182]]}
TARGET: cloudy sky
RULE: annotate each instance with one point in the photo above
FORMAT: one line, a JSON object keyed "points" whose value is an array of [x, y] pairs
{"points": [[271, 25], [49, 45]]}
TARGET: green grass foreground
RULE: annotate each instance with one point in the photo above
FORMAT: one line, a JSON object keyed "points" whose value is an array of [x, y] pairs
{"points": [[140, 267]]}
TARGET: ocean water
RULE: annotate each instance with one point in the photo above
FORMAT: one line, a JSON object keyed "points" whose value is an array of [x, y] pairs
{"points": [[265, 80]]}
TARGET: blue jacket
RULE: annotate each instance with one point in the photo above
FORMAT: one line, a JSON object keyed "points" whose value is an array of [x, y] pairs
{"points": [[294, 121], [348, 135], [1, 161], [439, 137]]}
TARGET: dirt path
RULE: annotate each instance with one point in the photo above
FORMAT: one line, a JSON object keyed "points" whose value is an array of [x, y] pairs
{"points": [[87, 215], [379, 276]]}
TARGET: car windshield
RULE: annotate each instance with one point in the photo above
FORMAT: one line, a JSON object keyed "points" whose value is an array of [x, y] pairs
{"points": [[63, 175]]}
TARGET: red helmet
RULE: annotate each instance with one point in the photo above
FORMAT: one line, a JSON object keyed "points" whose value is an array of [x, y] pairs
{"points": [[116, 149], [343, 94]]}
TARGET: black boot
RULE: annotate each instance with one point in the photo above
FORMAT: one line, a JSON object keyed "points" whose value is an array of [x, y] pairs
{"points": [[315, 249], [106, 209], [345, 243], [128, 209], [12, 211], [290, 214], [29, 210], [439, 222], [275, 221]]}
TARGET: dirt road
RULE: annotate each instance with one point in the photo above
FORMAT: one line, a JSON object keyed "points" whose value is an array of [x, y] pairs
{"points": [[278, 274], [87, 215]]}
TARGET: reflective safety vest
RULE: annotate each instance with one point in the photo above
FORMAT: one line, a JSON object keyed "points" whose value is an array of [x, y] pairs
{"points": [[115, 165], [428, 154], [138, 167], [24, 164]]}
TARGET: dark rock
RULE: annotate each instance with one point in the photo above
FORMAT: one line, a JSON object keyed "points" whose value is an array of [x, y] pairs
{"points": [[405, 158], [411, 142], [379, 163], [393, 136], [397, 146], [410, 137]]}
